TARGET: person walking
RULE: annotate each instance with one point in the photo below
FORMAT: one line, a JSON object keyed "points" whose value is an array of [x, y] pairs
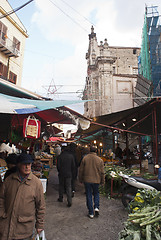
{"points": [[11, 161], [73, 147], [118, 153], [22, 203], [91, 173], [66, 170]]}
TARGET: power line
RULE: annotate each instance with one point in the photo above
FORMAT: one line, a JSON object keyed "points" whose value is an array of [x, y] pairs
{"points": [[16, 9], [73, 20], [78, 13], [39, 53]]}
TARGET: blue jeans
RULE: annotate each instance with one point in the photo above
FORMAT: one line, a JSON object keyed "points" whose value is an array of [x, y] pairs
{"points": [[92, 188]]}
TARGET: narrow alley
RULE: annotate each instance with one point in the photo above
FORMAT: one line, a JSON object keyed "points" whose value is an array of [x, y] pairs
{"points": [[63, 223]]}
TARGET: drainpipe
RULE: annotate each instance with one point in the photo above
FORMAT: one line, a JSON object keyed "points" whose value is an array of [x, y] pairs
{"points": [[8, 63]]}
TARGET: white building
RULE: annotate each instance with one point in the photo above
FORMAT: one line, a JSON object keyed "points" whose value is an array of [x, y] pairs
{"points": [[12, 44], [111, 77]]}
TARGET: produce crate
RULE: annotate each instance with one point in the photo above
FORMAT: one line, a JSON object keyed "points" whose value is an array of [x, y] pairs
{"points": [[48, 161]]}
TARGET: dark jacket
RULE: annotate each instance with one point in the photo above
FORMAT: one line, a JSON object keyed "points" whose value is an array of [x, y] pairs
{"points": [[66, 165], [118, 152]]}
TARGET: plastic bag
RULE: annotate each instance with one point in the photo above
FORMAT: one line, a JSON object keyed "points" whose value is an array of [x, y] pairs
{"points": [[40, 236]]}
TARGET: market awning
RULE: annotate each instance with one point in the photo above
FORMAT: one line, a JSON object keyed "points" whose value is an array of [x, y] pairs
{"points": [[136, 120], [55, 139], [15, 110], [15, 105]]}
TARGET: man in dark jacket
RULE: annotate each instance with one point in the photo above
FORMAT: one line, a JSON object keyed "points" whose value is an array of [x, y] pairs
{"points": [[66, 168], [118, 152]]}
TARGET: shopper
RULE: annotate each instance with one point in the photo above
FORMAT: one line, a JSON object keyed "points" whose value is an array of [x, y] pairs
{"points": [[91, 173], [11, 161], [66, 170], [22, 204], [118, 153], [73, 147]]}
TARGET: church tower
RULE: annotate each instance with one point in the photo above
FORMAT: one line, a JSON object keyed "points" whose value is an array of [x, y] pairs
{"points": [[99, 77]]}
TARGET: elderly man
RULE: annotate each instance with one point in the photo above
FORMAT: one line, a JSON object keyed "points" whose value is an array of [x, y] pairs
{"points": [[22, 204], [91, 172]]}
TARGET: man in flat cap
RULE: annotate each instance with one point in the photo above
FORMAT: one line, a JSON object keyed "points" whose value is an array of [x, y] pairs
{"points": [[22, 203]]}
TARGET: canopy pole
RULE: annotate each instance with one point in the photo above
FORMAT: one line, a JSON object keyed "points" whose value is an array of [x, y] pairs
{"points": [[127, 150], [113, 138], [156, 134], [140, 147], [153, 141], [120, 129]]}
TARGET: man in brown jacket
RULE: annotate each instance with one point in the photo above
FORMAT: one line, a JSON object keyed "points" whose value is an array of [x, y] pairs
{"points": [[91, 172], [22, 203]]}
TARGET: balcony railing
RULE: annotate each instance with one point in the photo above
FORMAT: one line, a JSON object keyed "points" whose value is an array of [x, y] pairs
{"points": [[8, 47]]}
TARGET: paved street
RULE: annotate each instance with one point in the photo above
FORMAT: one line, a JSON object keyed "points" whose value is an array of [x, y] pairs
{"points": [[63, 223]]}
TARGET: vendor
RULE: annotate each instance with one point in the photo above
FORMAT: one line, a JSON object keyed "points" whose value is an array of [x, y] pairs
{"points": [[110, 154]]}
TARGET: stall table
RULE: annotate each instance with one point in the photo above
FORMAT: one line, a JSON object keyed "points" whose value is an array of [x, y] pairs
{"points": [[48, 161]]}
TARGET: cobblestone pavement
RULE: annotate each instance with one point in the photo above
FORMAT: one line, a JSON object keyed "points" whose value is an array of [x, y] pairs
{"points": [[63, 223]]}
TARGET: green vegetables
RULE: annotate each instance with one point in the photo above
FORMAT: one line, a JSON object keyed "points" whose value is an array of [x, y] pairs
{"points": [[145, 197], [113, 172], [145, 222]]}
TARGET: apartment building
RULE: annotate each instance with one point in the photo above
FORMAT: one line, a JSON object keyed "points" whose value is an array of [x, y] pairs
{"points": [[12, 44]]}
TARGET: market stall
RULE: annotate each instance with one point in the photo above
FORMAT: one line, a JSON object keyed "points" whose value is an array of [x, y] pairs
{"points": [[29, 124]]}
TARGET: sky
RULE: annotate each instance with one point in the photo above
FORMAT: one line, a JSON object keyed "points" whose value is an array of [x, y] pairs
{"points": [[58, 39]]}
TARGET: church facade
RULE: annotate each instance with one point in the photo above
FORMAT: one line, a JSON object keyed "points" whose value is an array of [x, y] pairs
{"points": [[111, 77]]}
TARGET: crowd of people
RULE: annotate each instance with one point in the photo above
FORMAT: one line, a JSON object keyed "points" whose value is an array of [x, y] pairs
{"points": [[22, 202]]}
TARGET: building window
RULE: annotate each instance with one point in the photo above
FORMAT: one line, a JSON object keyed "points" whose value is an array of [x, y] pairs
{"points": [[135, 70], [134, 51], [12, 77], [3, 33], [114, 70], [16, 44], [3, 71]]}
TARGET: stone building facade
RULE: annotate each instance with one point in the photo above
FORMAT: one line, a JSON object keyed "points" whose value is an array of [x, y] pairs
{"points": [[111, 77], [12, 44]]}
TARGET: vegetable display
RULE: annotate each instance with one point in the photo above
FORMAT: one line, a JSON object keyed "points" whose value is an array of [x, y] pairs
{"points": [[144, 223]]}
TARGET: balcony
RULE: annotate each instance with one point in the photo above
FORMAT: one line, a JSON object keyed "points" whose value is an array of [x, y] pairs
{"points": [[8, 47]]}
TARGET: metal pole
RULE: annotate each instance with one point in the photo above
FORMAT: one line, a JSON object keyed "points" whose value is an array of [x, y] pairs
{"points": [[153, 142], [140, 147], [119, 129], [127, 150], [113, 138], [156, 133]]}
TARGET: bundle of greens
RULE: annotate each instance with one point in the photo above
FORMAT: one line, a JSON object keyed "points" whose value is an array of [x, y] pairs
{"points": [[144, 223], [143, 198], [114, 171]]}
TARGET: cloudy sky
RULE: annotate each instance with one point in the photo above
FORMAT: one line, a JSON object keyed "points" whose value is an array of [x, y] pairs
{"points": [[58, 38]]}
